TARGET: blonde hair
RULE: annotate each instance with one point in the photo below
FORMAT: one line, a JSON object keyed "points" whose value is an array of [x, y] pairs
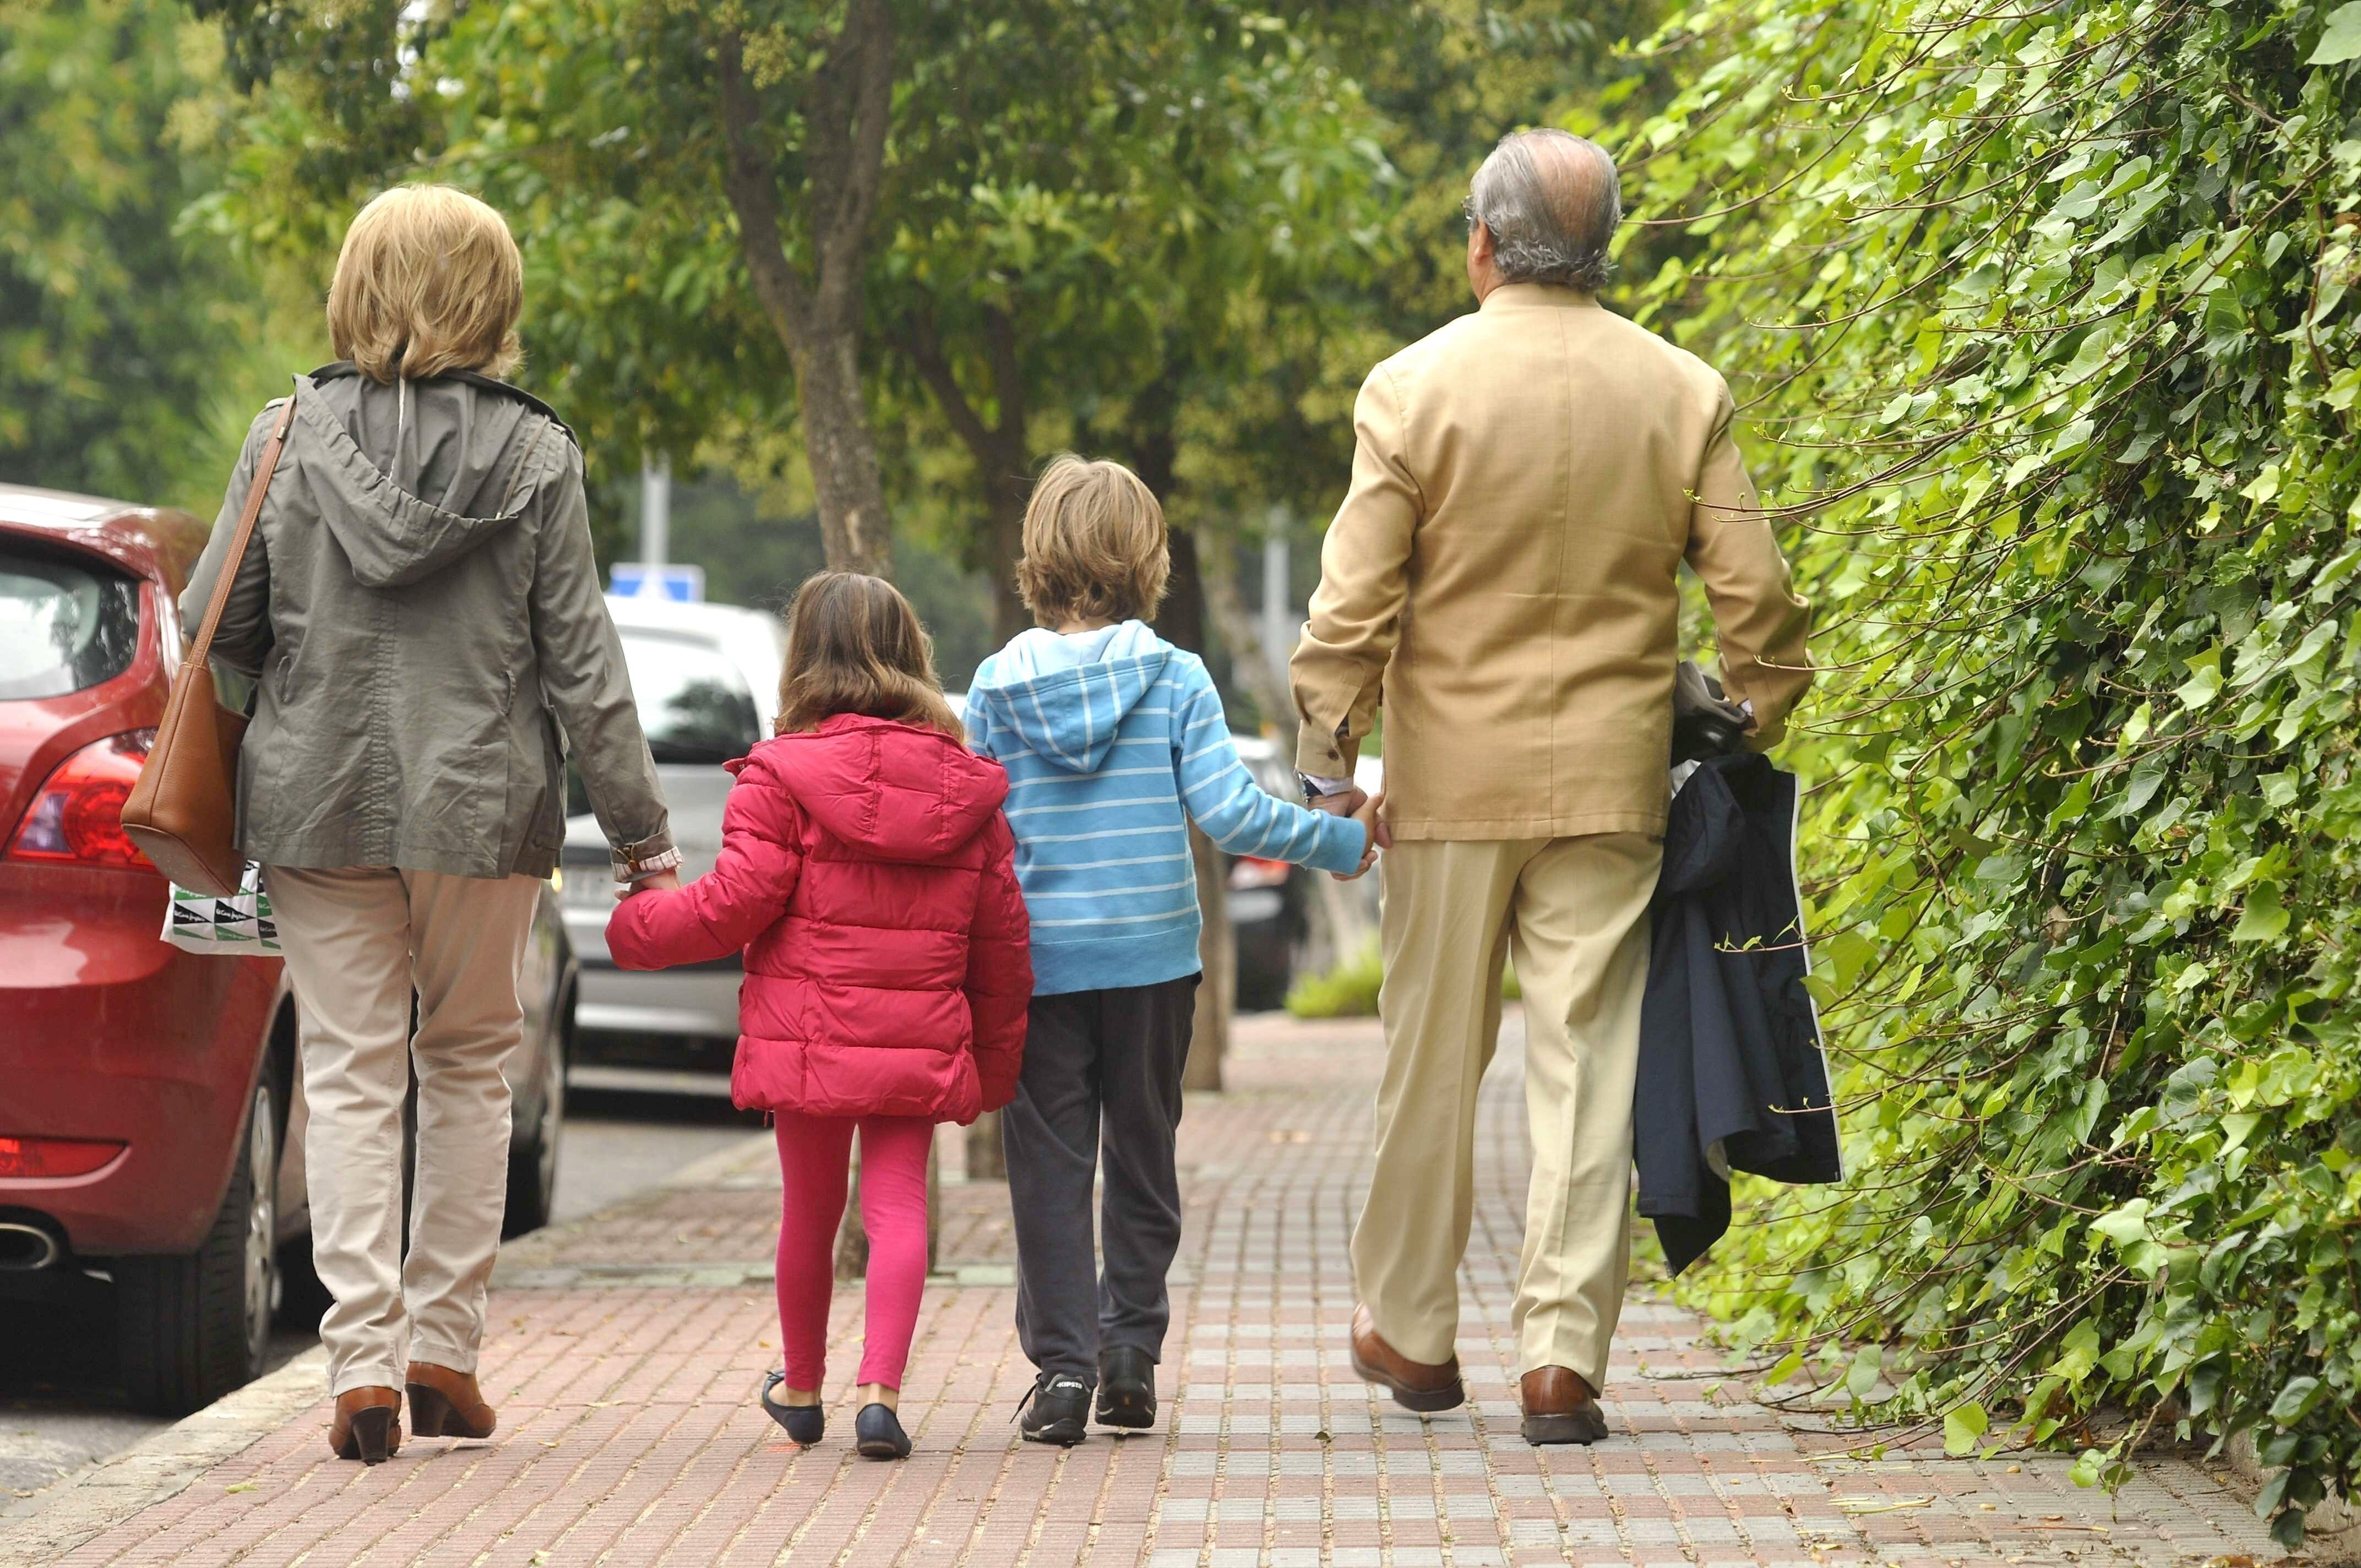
{"points": [[854, 645], [429, 281], [1095, 544]]}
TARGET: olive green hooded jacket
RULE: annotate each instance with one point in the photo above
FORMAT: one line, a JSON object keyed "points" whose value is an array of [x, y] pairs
{"points": [[421, 612]]}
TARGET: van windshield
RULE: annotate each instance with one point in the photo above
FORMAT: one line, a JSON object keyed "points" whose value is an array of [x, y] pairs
{"points": [[693, 702]]}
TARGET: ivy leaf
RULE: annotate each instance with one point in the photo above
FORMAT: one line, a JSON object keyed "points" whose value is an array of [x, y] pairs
{"points": [[2341, 39], [2264, 918], [2295, 1400], [1962, 1428], [2204, 683]]}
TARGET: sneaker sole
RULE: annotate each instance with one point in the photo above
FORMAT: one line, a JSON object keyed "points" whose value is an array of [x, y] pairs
{"points": [[1128, 1411], [1058, 1435]]}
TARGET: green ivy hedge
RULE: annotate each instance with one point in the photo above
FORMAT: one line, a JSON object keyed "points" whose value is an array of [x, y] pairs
{"points": [[2042, 316]]}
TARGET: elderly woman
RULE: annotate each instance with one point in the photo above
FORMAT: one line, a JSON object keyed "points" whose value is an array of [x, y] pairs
{"points": [[421, 612]]}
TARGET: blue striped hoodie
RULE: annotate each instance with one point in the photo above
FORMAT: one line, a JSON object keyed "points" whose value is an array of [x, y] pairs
{"points": [[1109, 737]]}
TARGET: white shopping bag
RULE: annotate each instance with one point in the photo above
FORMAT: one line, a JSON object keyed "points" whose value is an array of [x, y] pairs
{"points": [[238, 926]]}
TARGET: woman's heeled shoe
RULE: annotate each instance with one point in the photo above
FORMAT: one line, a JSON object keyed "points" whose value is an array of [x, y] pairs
{"points": [[877, 1434], [444, 1403], [803, 1424], [367, 1425]]}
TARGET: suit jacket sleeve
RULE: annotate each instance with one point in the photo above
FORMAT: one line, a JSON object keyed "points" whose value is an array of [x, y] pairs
{"points": [[1339, 666], [999, 970], [1759, 617]]}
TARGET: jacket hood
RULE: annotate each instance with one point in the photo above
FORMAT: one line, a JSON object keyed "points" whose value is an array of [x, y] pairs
{"points": [[897, 791], [1066, 694], [411, 478]]}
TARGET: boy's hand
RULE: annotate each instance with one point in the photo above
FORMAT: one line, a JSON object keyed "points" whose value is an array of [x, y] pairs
{"points": [[662, 881]]}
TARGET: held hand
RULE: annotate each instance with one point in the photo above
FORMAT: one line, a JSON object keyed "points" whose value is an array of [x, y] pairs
{"points": [[662, 881], [1344, 803], [1365, 814]]}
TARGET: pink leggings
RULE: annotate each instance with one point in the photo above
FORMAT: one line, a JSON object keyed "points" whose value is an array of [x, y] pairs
{"points": [[814, 1155]]}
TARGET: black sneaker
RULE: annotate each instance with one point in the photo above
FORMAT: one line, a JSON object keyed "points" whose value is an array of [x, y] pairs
{"points": [[1126, 1389], [1055, 1410]]}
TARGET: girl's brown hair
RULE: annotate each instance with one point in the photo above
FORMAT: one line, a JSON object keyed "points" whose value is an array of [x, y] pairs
{"points": [[854, 645]]}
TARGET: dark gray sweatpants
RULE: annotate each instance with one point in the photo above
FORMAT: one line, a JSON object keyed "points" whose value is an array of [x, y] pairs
{"points": [[1102, 1070]]}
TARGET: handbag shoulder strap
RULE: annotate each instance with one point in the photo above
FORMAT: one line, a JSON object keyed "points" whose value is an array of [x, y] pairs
{"points": [[263, 468]]}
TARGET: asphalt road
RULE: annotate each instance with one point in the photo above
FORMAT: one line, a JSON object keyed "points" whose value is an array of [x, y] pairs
{"points": [[61, 1408]]}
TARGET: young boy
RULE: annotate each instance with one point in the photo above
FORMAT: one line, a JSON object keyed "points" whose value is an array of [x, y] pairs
{"points": [[1113, 741]]}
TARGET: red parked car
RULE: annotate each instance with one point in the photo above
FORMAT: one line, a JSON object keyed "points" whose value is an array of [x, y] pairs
{"points": [[150, 1113]]}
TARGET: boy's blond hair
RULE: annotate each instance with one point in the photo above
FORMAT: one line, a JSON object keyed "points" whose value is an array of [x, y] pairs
{"points": [[429, 281], [1095, 544]]}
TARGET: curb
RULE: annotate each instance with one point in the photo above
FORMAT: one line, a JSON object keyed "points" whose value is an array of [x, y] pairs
{"points": [[162, 1466]]}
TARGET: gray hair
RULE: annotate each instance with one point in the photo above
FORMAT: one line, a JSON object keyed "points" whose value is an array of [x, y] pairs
{"points": [[1551, 201]]}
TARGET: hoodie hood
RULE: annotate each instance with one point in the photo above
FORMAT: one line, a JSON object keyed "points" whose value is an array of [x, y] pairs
{"points": [[412, 477], [1066, 695], [895, 791]]}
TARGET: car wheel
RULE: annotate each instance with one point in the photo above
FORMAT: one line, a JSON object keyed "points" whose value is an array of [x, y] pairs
{"points": [[193, 1327], [533, 1152]]}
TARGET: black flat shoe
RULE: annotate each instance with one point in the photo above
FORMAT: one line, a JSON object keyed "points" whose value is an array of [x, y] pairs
{"points": [[803, 1424], [1055, 1410], [877, 1434], [1126, 1389]]}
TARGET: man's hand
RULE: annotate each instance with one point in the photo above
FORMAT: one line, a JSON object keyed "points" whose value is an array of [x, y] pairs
{"points": [[1367, 815], [662, 881], [1344, 803]]}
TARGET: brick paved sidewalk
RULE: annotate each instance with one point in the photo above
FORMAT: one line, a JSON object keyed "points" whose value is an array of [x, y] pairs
{"points": [[626, 1349]]}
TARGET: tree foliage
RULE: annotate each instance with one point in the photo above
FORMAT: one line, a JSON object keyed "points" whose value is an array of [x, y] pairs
{"points": [[119, 337], [2044, 317]]}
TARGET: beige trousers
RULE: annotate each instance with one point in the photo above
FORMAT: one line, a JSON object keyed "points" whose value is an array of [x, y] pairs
{"points": [[1574, 913], [357, 943]]}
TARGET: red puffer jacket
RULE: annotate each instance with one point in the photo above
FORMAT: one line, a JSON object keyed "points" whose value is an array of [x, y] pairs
{"points": [[867, 872]]}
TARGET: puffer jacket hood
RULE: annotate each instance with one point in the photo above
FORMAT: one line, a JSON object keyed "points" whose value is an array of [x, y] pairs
{"points": [[416, 474], [890, 790], [1065, 695], [869, 879]]}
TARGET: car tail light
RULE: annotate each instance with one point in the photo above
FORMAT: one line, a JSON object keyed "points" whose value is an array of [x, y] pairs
{"points": [[1253, 870], [55, 1156], [77, 816]]}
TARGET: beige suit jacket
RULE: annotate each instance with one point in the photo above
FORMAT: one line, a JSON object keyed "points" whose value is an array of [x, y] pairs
{"points": [[1526, 484]]}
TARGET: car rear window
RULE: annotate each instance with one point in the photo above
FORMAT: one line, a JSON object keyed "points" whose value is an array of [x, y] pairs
{"points": [[65, 623], [693, 702]]}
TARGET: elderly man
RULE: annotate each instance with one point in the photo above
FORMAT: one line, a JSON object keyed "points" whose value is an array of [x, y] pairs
{"points": [[1527, 483]]}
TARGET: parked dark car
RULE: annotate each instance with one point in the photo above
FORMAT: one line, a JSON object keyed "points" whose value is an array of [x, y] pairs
{"points": [[150, 1114]]}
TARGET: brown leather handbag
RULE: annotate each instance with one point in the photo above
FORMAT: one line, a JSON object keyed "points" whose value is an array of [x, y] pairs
{"points": [[183, 811]]}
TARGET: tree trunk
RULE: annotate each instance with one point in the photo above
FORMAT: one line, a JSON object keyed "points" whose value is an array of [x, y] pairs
{"points": [[847, 102], [1217, 993], [1002, 457], [854, 528]]}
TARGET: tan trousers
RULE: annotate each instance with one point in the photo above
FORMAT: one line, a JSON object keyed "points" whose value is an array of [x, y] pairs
{"points": [[1574, 912], [356, 943]]}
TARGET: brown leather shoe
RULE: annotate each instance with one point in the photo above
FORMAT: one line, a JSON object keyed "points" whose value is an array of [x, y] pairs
{"points": [[1560, 1406], [367, 1425], [444, 1403], [1415, 1385]]}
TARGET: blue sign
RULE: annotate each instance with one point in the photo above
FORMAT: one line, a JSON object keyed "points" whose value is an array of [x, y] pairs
{"points": [[635, 579]]}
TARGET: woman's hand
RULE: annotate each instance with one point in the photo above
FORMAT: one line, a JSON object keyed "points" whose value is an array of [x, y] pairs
{"points": [[661, 881]]}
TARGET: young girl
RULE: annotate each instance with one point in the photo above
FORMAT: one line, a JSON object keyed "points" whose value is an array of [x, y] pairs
{"points": [[865, 870]]}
